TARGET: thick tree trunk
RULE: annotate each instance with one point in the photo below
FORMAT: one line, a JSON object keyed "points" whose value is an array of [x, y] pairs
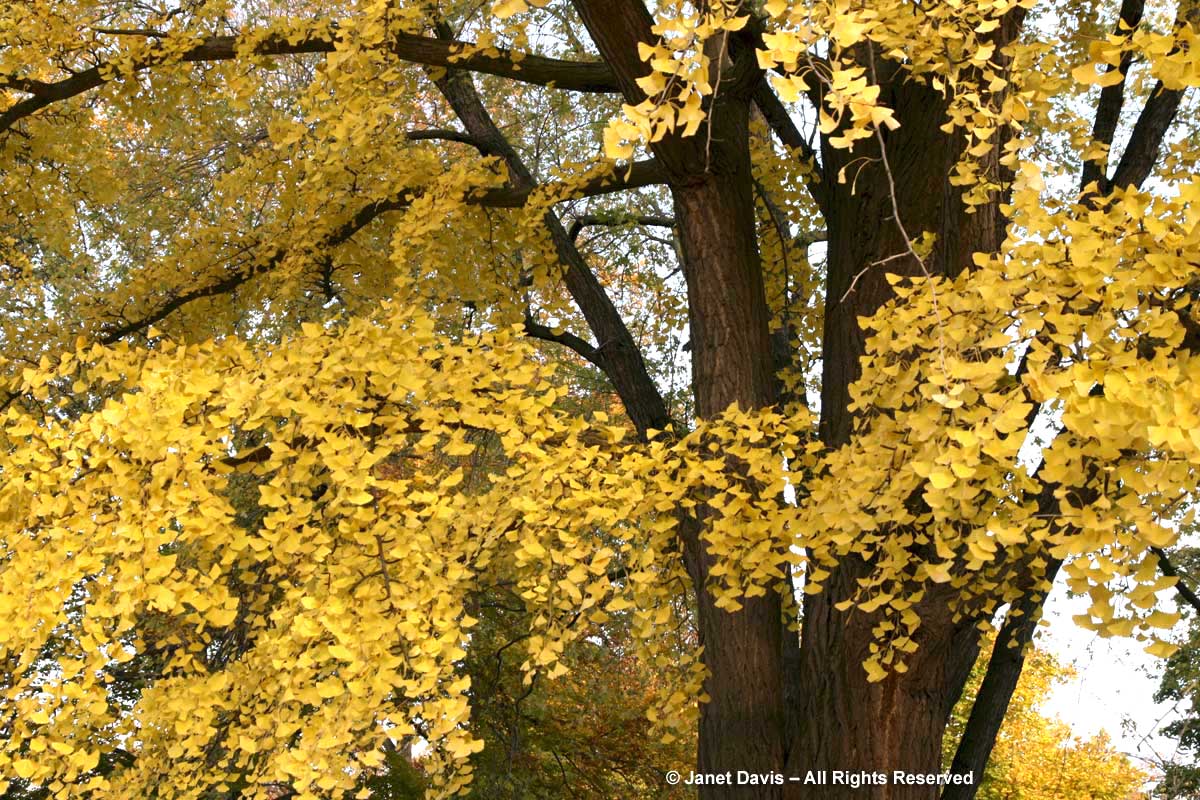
{"points": [[867, 731], [742, 726], [775, 708], [839, 720]]}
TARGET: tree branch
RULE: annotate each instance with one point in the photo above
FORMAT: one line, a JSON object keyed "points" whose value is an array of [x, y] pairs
{"points": [[1167, 568], [1005, 666], [1155, 119], [642, 173], [621, 359], [444, 135], [780, 121], [991, 701], [1112, 98], [566, 338], [1148, 133], [590, 220], [580, 76]]}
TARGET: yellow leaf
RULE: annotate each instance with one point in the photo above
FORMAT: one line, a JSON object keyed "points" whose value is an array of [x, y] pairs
{"points": [[941, 478], [1086, 74], [875, 672], [503, 9], [1162, 649]]}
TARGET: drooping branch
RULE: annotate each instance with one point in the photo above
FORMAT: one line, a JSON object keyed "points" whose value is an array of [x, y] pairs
{"points": [[639, 174], [580, 76]]}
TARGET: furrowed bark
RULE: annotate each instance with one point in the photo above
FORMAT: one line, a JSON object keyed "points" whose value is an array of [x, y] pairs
{"points": [[839, 720], [742, 726]]}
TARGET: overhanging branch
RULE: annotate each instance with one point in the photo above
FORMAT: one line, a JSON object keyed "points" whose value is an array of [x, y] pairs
{"points": [[580, 76], [639, 174]]}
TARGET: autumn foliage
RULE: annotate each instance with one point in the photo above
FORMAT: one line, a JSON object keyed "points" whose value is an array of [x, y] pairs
{"points": [[763, 351]]}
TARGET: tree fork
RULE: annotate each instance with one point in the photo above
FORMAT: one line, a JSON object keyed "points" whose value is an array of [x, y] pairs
{"points": [[742, 725]]}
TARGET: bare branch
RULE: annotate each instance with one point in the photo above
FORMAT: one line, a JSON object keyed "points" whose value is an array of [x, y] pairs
{"points": [[591, 220]]}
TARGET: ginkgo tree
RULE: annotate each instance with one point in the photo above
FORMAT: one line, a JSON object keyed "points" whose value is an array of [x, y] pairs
{"points": [[934, 266]]}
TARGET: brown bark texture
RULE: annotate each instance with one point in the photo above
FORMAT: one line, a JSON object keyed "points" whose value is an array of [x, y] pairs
{"points": [[781, 705]]}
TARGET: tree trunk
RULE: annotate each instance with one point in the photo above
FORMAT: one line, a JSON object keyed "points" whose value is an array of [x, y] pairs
{"points": [[742, 727], [775, 708], [839, 720]]}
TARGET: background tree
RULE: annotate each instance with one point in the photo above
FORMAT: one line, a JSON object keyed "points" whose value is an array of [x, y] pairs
{"points": [[1036, 756], [1178, 685], [307, 242]]}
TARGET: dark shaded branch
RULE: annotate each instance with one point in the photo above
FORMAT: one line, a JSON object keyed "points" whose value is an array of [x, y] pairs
{"points": [[620, 358], [1152, 124], [565, 338], [590, 220], [581, 76], [444, 135], [999, 682], [1112, 98], [1006, 662], [1148, 133], [780, 121], [1167, 568], [146, 32], [637, 175], [238, 277]]}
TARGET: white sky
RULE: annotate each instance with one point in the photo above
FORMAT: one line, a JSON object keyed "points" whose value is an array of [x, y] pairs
{"points": [[1114, 685]]}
